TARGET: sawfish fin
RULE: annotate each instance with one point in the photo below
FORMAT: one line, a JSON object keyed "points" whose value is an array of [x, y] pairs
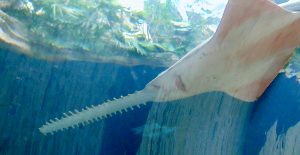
{"points": [[265, 36], [239, 11], [253, 42], [95, 113]]}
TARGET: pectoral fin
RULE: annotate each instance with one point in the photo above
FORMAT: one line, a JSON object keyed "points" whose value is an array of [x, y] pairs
{"points": [[260, 37]]}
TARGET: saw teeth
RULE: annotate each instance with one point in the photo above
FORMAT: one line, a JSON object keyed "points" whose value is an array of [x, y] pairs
{"points": [[65, 115], [92, 113]]}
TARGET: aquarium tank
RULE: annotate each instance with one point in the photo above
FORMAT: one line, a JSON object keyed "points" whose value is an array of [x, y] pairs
{"points": [[149, 77]]}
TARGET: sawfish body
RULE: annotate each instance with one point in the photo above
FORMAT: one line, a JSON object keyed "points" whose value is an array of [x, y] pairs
{"points": [[253, 42]]}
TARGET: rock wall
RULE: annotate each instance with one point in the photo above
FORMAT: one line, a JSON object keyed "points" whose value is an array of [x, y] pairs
{"points": [[287, 143], [33, 91], [207, 124]]}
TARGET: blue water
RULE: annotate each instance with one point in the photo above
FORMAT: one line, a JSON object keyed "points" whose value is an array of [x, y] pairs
{"points": [[280, 103], [33, 91]]}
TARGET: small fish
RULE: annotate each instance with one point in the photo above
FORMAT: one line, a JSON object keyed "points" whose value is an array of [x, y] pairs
{"points": [[253, 42], [153, 130]]}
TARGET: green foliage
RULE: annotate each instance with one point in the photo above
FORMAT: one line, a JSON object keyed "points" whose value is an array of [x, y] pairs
{"points": [[107, 28]]}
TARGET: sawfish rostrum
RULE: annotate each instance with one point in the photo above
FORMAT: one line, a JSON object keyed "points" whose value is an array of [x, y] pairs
{"points": [[253, 42]]}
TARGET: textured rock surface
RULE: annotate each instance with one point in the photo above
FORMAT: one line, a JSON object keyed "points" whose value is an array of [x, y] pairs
{"points": [[210, 124], [280, 104], [33, 91], [287, 143]]}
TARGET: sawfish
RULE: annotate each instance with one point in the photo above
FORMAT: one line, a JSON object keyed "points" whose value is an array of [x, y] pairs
{"points": [[253, 42]]}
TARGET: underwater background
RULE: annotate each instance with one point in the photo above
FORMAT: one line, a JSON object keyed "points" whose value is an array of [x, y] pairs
{"points": [[68, 68]]}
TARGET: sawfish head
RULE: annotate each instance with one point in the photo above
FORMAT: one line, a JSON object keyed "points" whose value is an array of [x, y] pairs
{"points": [[254, 40]]}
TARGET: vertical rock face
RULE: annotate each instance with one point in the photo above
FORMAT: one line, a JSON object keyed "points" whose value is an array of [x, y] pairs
{"points": [[33, 91], [288, 143], [211, 124], [280, 104]]}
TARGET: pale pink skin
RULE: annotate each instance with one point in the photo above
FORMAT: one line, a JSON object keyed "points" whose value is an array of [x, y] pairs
{"points": [[253, 42]]}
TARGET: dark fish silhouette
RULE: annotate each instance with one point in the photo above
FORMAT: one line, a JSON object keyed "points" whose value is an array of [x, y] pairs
{"points": [[253, 42]]}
